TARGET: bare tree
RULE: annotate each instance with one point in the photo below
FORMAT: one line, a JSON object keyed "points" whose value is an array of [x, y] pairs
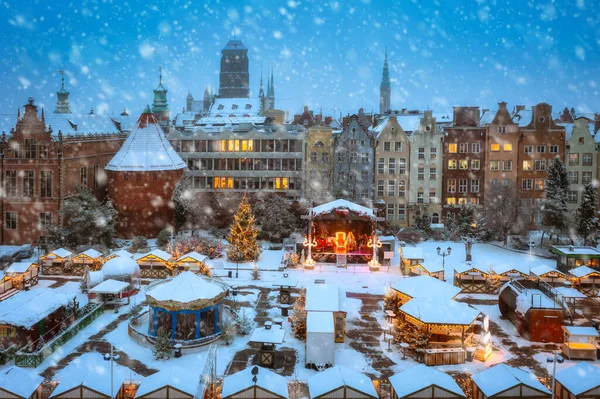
{"points": [[502, 211]]}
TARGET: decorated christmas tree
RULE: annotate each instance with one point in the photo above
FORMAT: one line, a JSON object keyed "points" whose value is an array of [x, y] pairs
{"points": [[162, 346], [242, 235], [299, 316]]}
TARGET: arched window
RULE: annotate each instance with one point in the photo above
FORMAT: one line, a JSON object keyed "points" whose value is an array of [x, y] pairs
{"points": [[435, 218], [319, 144]]}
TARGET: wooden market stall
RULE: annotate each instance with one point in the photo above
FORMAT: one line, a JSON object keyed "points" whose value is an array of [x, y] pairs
{"points": [[172, 382], [255, 383], [427, 269], [580, 342], [155, 264], [341, 383], [410, 256], [423, 286], [91, 259], [329, 298], [502, 381], [110, 292], [119, 253], [320, 340], [549, 275], [508, 272], [285, 285], [569, 257], [57, 262], [578, 382], [471, 278], [23, 274], [193, 262], [422, 382], [19, 383], [267, 338], [586, 280]]}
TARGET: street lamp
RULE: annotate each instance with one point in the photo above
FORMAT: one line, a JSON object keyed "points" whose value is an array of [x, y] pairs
{"points": [[443, 255], [554, 359], [112, 358]]}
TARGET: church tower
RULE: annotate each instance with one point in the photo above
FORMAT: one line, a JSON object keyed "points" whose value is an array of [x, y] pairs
{"points": [[234, 79], [206, 103], [271, 93], [160, 108], [189, 101], [62, 97], [385, 89]]}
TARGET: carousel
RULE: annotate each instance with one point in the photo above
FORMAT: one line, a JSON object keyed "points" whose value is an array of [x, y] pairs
{"points": [[342, 232], [187, 307]]}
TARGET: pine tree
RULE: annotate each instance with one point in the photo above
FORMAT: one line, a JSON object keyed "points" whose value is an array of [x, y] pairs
{"points": [[391, 301], [243, 234], [255, 272], [422, 220], [587, 217], [299, 316], [244, 323], [162, 346], [555, 211]]}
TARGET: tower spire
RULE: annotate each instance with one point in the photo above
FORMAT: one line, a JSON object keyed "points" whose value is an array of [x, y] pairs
{"points": [[62, 97], [385, 87], [261, 92]]}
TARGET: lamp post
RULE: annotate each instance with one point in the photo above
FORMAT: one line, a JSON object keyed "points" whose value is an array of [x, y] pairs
{"points": [[111, 357], [443, 255], [531, 244], [554, 359]]}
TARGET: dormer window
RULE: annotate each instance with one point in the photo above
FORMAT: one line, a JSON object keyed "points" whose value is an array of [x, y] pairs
{"points": [[319, 144], [232, 116], [248, 106], [221, 106], [234, 106]]}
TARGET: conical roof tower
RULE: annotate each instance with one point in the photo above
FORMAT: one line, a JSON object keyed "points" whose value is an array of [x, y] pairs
{"points": [[62, 98]]}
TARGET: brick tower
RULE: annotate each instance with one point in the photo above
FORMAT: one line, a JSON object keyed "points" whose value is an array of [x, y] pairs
{"points": [[141, 179]]}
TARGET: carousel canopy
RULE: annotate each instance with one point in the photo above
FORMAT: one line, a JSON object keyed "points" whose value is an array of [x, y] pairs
{"points": [[417, 378], [120, 266], [440, 311], [186, 288], [502, 377], [342, 204]]}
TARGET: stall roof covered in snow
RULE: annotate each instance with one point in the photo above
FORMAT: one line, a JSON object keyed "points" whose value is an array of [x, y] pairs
{"points": [[506, 269], [428, 286], [146, 149], [175, 377], [420, 377], [502, 377], [469, 267], [412, 253], [18, 267], [337, 377], [583, 271], [568, 292], [110, 287], [325, 298], [542, 270], [26, 308], [122, 253], [184, 288], [319, 322], [266, 379], [192, 255], [582, 331], [433, 310], [342, 203], [19, 381], [59, 253], [273, 335], [580, 378], [431, 267], [572, 250], [91, 253], [158, 253]]}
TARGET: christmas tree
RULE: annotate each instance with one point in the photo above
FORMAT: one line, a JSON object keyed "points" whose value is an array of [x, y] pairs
{"points": [[242, 235], [162, 346], [555, 213], [587, 217], [299, 316]]}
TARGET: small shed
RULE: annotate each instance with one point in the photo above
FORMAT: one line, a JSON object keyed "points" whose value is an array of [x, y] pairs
{"points": [[429, 269], [268, 385], [285, 285], [549, 275], [420, 286], [19, 383], [155, 264], [580, 342], [173, 382], [329, 298], [193, 261], [410, 256], [23, 274], [422, 382], [569, 257], [341, 383], [110, 291], [471, 278], [508, 272], [502, 381], [578, 382], [267, 338], [586, 280], [320, 343], [56, 262], [90, 258]]}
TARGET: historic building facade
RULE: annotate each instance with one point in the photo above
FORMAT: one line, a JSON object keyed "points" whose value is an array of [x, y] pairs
{"points": [[234, 79], [318, 164], [581, 156]]}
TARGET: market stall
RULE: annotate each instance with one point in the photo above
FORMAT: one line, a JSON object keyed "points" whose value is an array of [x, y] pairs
{"points": [[580, 342]]}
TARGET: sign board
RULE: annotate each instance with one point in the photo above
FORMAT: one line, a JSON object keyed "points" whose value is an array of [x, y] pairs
{"points": [[341, 260], [388, 255]]}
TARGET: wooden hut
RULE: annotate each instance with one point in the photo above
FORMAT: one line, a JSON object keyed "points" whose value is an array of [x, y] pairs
{"points": [[427, 269], [502, 381], [18, 383], [119, 253], [423, 286], [508, 272], [155, 264], [471, 278], [90, 258], [267, 338], [23, 274], [244, 385], [586, 280], [422, 382], [329, 298], [173, 382], [341, 383], [110, 291], [193, 262], [549, 275], [569, 257], [320, 340], [580, 342], [578, 382], [410, 256], [57, 262]]}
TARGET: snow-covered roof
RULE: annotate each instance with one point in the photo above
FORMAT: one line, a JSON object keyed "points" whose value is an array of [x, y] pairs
{"points": [[419, 377], [572, 250], [534, 298], [337, 377], [433, 310], [431, 267], [174, 376], [580, 378], [121, 252], [192, 255], [523, 117], [582, 331], [110, 287], [508, 268], [18, 267], [185, 287], [95, 278], [583, 271], [319, 322], [146, 149], [426, 286], [19, 381], [412, 253], [91, 253], [59, 253], [409, 123], [502, 377], [265, 379], [121, 266], [325, 298], [72, 125], [235, 107], [26, 308], [342, 203], [568, 292], [542, 270], [464, 267], [273, 335], [159, 253], [376, 131], [227, 121]]}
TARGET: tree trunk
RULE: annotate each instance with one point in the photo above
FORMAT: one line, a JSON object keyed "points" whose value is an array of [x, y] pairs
{"points": [[505, 239], [542, 240]]}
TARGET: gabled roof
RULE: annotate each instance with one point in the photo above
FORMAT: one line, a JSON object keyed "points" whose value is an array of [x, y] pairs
{"points": [[146, 149], [193, 255], [19, 381], [420, 377], [325, 298], [174, 376], [505, 268], [74, 125], [60, 253], [159, 253], [27, 308], [583, 271], [19, 267], [469, 267], [342, 204], [580, 378], [433, 310], [427, 286], [502, 377], [542, 270], [412, 253], [91, 253], [265, 379], [109, 286], [337, 377], [430, 266]]}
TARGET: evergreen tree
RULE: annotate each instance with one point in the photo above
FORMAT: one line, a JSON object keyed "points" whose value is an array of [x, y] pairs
{"points": [[422, 220], [587, 217], [242, 235], [418, 220], [391, 301], [255, 272], [274, 218], [299, 316], [554, 210], [162, 346]]}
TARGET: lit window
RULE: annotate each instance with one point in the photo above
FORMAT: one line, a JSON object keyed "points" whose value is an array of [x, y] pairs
{"points": [[463, 164], [452, 164], [539, 184], [494, 166], [527, 165], [451, 201], [452, 148], [507, 147], [495, 147]]}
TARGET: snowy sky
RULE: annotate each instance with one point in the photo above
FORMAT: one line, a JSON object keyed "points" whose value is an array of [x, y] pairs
{"points": [[326, 53]]}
